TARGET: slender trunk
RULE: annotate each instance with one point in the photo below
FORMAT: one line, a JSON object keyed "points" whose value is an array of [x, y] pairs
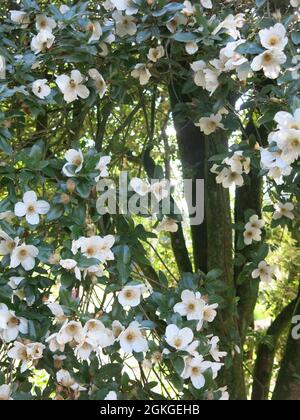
{"points": [[212, 240], [288, 381], [266, 352]]}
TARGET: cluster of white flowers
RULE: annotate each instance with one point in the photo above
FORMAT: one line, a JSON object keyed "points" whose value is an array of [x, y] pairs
{"points": [[27, 353], [93, 337], [142, 71], [160, 189], [194, 307], [230, 172], [274, 40], [75, 160], [253, 230], [286, 142]]}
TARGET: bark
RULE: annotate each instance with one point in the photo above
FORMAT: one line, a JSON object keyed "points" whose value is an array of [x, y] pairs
{"points": [[180, 251], [212, 240], [264, 363], [247, 197], [288, 381]]}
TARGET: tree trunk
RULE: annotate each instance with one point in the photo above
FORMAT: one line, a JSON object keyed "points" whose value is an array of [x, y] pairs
{"points": [[288, 382], [266, 354], [212, 240]]}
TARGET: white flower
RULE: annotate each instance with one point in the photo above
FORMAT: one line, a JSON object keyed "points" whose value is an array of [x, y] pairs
{"points": [[228, 178], [160, 190], [211, 124], [5, 393], [98, 247], [70, 331], [31, 208], [127, 6], [211, 79], [194, 369], [191, 306], [189, 9], [74, 159], [71, 265], [191, 48], [264, 271], [231, 25], [99, 82], [7, 244], [42, 42], [284, 210], [2, 67], [288, 121], [199, 76], [19, 352], [72, 86], [57, 311], [214, 351], [124, 24], [22, 18], [112, 395], [84, 349], [140, 187], [96, 30], [54, 345], [35, 351], [130, 296], [132, 339], [44, 23], [173, 24], [207, 4], [26, 353], [225, 395], [41, 88], [270, 61], [238, 163], [24, 255], [255, 223], [94, 270], [11, 325], [209, 315], [65, 379], [108, 5], [252, 234], [64, 9], [155, 54], [117, 328], [289, 142], [178, 338], [278, 168], [274, 38], [7, 216], [98, 333], [142, 73], [102, 167], [168, 225], [295, 3]]}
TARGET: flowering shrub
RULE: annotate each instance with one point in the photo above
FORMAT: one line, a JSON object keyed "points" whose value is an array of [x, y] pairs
{"points": [[81, 304]]}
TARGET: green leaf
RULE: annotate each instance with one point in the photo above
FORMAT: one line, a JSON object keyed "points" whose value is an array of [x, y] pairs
{"points": [[296, 37], [178, 364], [5, 146], [260, 3], [185, 37], [55, 212], [249, 48], [169, 8]]}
